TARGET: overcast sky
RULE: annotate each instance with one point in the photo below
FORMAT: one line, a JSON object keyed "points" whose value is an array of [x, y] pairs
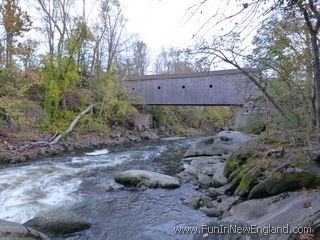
{"points": [[165, 23], [162, 22], [157, 22]]}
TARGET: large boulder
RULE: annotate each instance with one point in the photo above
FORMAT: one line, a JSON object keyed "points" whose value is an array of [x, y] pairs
{"points": [[224, 142], [294, 209], [287, 178], [206, 165], [16, 231], [208, 171], [57, 226], [149, 179]]}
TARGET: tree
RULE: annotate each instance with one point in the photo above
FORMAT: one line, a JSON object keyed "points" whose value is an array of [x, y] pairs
{"points": [[56, 17], [282, 45], [135, 60], [15, 22], [111, 27], [140, 58], [250, 15], [174, 61], [113, 24], [311, 13]]}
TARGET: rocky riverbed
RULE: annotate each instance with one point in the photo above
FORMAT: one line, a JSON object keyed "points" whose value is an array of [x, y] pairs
{"points": [[227, 179], [9, 146], [231, 168], [79, 188]]}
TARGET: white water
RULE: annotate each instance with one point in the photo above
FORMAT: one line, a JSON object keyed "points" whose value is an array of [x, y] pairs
{"points": [[28, 190], [98, 152]]}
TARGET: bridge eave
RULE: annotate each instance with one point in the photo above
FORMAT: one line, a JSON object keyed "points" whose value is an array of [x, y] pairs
{"points": [[203, 104]]}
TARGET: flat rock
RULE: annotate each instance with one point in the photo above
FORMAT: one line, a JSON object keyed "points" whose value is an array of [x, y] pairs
{"points": [[223, 143], [57, 226], [204, 180], [16, 231], [297, 209], [149, 179], [213, 212], [203, 163]]}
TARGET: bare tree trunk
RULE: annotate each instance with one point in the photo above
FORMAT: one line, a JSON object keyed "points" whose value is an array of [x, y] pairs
{"points": [[313, 28], [316, 67]]}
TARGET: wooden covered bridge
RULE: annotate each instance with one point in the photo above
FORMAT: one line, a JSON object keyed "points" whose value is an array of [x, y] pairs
{"points": [[216, 88]]}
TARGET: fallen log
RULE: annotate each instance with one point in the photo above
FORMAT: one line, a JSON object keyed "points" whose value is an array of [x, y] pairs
{"points": [[57, 136]]}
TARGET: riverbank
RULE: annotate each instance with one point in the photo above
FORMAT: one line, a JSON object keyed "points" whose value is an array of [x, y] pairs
{"points": [[251, 180], [82, 186], [79, 140], [13, 140]]}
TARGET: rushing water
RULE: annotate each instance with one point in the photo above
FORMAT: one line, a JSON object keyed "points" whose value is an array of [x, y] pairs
{"points": [[66, 185]]}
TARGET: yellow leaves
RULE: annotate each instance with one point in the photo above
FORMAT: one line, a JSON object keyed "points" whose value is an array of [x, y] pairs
{"points": [[14, 19]]}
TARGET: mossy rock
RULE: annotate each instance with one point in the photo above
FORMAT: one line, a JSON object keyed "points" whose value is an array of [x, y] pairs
{"points": [[215, 183], [236, 179], [234, 174], [248, 181], [302, 177], [3, 159], [232, 186], [240, 157], [127, 180], [284, 182], [57, 226], [142, 178]]}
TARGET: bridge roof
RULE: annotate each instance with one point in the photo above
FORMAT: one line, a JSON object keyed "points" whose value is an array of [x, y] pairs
{"points": [[190, 75]]}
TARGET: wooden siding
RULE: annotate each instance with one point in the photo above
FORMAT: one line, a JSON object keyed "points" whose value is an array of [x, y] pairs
{"points": [[218, 88]]}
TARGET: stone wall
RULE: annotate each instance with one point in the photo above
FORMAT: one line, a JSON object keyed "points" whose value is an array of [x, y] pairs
{"points": [[143, 121]]}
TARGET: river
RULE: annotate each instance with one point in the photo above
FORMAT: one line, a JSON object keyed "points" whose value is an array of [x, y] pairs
{"points": [[66, 185]]}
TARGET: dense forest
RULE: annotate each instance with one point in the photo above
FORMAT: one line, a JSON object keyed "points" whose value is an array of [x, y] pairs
{"points": [[45, 83], [253, 167]]}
